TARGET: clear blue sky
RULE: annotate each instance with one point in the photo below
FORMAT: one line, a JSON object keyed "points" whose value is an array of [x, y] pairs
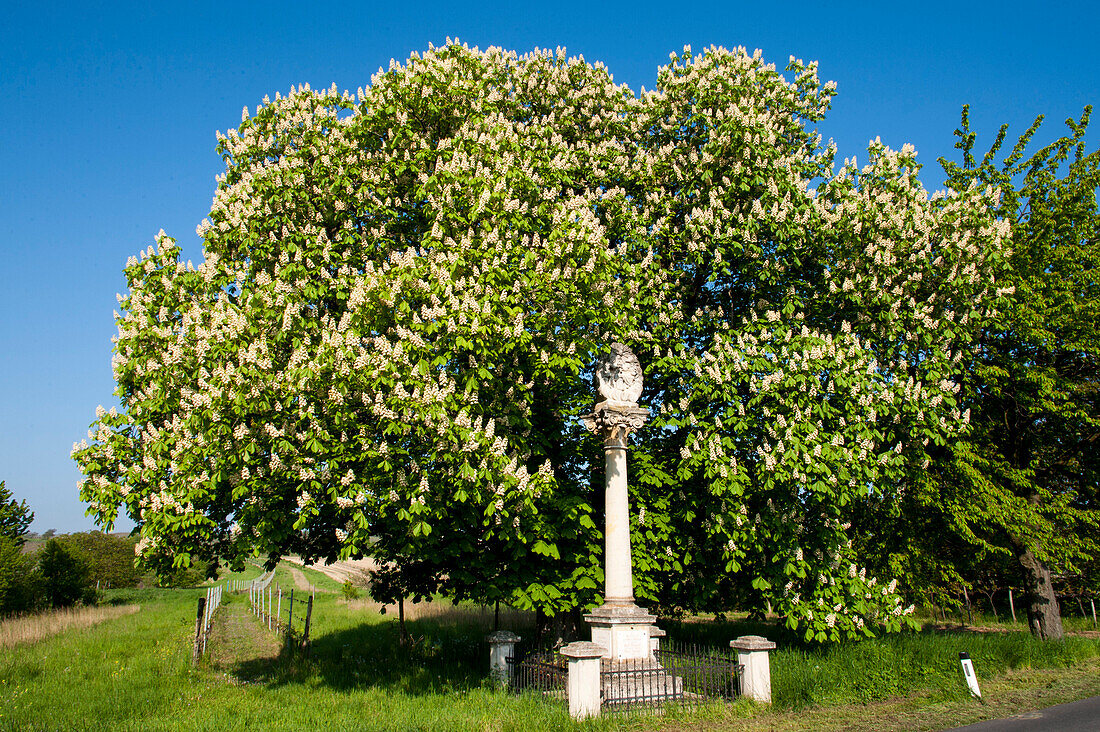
{"points": [[109, 113]]}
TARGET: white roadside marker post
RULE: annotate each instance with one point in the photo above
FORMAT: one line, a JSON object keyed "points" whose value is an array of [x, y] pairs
{"points": [[968, 671]]}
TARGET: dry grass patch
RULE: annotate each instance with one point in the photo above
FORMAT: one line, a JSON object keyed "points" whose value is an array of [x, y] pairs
{"points": [[26, 629], [445, 613]]}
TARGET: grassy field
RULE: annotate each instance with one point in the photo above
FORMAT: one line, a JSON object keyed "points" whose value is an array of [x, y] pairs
{"points": [[133, 673]]}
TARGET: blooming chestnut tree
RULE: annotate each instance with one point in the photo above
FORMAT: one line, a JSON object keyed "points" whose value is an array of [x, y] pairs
{"points": [[388, 345]]}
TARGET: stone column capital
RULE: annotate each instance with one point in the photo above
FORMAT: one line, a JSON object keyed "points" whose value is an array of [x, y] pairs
{"points": [[615, 421]]}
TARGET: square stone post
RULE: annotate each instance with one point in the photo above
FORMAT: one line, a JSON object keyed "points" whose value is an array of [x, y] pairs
{"points": [[583, 683], [502, 645], [756, 676]]}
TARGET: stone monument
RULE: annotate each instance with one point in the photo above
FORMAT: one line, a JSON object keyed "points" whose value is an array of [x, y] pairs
{"points": [[619, 626]]}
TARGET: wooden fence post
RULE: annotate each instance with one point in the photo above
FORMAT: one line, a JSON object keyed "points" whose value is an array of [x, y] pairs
{"points": [[309, 614], [1011, 605], [196, 652], [290, 616]]}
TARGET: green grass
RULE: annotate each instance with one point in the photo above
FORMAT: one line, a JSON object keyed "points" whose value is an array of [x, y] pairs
{"points": [[134, 673], [896, 665]]}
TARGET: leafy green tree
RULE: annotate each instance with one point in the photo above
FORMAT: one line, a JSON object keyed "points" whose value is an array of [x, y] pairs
{"points": [[20, 583], [15, 516], [1024, 481], [65, 575], [390, 341], [392, 585], [110, 558]]}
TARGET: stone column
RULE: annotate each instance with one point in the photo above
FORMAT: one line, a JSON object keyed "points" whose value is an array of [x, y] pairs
{"points": [[502, 645], [756, 676], [583, 684], [618, 625], [614, 424]]}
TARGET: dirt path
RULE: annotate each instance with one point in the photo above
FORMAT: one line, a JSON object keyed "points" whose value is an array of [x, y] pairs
{"points": [[300, 581], [238, 642], [353, 569]]}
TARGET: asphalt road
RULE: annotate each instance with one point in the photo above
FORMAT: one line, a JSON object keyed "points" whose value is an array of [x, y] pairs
{"points": [[1078, 716]]}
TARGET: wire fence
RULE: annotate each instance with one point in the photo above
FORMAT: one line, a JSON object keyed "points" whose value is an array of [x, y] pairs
{"points": [[204, 617], [288, 613], [1005, 603]]}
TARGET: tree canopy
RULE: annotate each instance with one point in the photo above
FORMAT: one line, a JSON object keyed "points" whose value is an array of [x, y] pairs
{"points": [[15, 517], [1025, 481], [390, 341]]}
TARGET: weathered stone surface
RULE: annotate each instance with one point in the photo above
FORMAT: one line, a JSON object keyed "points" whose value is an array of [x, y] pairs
{"points": [[756, 676], [752, 643], [618, 376], [615, 422], [502, 636], [583, 649]]}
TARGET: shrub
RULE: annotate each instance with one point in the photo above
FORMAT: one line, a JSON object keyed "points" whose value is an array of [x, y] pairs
{"points": [[66, 575], [179, 577], [110, 558]]}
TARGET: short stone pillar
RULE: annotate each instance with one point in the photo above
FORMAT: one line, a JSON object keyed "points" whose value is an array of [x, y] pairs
{"points": [[502, 645], [583, 684], [756, 674]]}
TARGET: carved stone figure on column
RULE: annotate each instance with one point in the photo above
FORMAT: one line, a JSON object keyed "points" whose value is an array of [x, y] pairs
{"points": [[618, 378]]}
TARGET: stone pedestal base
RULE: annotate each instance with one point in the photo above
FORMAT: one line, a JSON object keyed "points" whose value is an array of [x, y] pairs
{"points": [[624, 630]]}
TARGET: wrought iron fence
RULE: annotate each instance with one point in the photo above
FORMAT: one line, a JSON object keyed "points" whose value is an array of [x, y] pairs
{"points": [[686, 675], [542, 670]]}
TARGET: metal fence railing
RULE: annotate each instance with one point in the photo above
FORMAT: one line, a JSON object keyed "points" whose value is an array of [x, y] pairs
{"points": [[686, 675], [541, 670]]}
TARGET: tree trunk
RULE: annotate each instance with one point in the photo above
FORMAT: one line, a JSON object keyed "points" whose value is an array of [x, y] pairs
{"points": [[993, 605], [1043, 615], [557, 630]]}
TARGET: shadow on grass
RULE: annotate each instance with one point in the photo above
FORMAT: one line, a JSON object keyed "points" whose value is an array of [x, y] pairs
{"points": [[444, 655], [450, 656], [437, 659]]}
